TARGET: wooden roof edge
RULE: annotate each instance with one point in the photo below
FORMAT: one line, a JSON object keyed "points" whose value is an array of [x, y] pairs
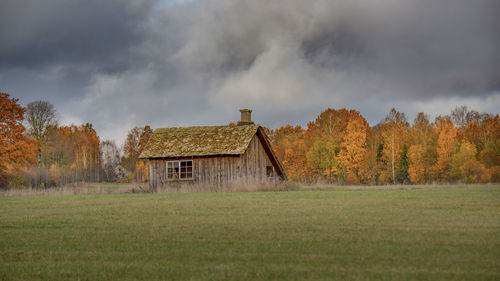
{"points": [[278, 166]]}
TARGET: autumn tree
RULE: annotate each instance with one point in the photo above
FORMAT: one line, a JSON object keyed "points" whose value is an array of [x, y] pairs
{"points": [[417, 166], [295, 161], [58, 147], [40, 115], [353, 155], [328, 130], [422, 141], [394, 134], [466, 153], [16, 149], [134, 143], [144, 137], [88, 154], [289, 146], [490, 155], [447, 145], [483, 130], [330, 125], [321, 160], [132, 147], [75, 150], [283, 137]]}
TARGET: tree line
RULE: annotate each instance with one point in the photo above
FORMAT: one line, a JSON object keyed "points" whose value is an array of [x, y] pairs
{"points": [[37, 152], [339, 146]]}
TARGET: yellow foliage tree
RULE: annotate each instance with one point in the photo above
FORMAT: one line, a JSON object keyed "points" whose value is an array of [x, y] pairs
{"points": [[447, 146], [353, 152], [423, 155], [321, 160], [394, 135], [416, 170], [466, 153]]}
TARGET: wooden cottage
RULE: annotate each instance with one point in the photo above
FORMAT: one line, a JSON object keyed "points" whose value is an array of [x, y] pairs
{"points": [[212, 156]]}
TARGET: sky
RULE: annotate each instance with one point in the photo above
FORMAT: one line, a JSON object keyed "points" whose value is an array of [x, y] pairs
{"points": [[124, 63]]}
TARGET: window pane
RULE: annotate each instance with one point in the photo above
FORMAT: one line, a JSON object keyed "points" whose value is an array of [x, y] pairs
{"points": [[173, 169], [186, 169], [269, 171]]}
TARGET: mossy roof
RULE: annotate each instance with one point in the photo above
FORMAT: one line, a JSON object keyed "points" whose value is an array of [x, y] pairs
{"points": [[199, 141]]}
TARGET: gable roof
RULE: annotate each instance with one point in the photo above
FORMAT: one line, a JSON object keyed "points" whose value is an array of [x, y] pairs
{"points": [[207, 141], [199, 141]]}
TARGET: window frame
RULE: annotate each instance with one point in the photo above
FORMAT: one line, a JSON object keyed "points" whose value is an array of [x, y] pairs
{"points": [[269, 171], [177, 165]]}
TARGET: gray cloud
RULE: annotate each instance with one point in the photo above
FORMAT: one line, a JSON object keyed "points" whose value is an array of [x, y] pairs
{"points": [[197, 62], [89, 34]]}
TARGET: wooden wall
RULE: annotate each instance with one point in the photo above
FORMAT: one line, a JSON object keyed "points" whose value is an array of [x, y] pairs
{"points": [[251, 167]]}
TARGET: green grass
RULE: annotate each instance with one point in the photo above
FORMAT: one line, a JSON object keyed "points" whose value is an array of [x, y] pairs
{"points": [[422, 234]]}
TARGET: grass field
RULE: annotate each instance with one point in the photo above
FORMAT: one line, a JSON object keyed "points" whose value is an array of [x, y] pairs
{"points": [[421, 234]]}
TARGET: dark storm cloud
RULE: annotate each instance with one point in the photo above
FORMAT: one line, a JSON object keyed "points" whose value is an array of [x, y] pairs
{"points": [[89, 33], [197, 62], [419, 47]]}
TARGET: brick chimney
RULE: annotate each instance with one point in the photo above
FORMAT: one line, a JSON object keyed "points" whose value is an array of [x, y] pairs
{"points": [[246, 117]]}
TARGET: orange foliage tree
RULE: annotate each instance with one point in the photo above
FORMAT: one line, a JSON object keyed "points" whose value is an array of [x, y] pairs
{"points": [[295, 161], [447, 146], [353, 155], [16, 149], [289, 145]]}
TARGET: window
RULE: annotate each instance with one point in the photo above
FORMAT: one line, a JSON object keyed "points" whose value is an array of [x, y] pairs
{"points": [[179, 170], [269, 171], [186, 169]]}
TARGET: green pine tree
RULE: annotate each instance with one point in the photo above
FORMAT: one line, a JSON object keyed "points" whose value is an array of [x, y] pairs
{"points": [[403, 166]]}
